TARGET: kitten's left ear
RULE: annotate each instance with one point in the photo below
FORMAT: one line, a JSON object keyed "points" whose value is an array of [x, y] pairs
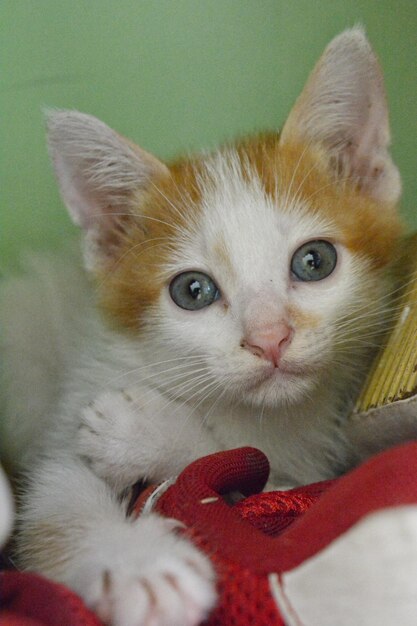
{"points": [[343, 107]]}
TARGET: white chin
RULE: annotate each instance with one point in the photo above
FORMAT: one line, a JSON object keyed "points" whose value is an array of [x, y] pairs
{"points": [[281, 387]]}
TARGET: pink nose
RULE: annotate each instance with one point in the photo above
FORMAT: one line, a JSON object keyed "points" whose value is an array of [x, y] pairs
{"points": [[269, 343]]}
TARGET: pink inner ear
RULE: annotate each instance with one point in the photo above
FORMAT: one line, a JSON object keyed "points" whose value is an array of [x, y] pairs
{"points": [[83, 206], [97, 169]]}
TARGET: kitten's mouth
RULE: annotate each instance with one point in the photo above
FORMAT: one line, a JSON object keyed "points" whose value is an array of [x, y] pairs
{"points": [[283, 373]]}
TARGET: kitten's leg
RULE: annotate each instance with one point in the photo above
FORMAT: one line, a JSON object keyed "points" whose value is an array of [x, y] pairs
{"points": [[131, 572], [125, 436]]}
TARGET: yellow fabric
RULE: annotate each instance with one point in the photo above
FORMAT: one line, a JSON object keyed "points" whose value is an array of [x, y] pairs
{"points": [[393, 376]]}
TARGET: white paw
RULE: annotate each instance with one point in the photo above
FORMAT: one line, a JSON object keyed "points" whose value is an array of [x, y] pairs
{"points": [[112, 436], [126, 436], [150, 577]]}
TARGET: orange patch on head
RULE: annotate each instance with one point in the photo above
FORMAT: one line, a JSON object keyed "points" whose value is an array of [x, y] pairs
{"points": [[290, 173], [302, 172], [132, 283]]}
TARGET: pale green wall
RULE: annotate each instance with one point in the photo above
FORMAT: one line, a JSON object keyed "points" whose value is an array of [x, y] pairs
{"points": [[174, 75]]}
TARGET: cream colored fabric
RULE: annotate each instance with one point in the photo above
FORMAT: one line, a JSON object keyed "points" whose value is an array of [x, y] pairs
{"points": [[366, 577], [386, 411]]}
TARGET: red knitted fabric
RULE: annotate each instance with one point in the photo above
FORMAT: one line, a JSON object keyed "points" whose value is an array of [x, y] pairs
{"points": [[235, 541], [30, 600], [274, 511], [263, 534], [275, 532]]}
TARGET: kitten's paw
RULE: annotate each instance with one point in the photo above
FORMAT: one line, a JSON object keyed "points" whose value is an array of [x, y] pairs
{"points": [[125, 437], [154, 578], [110, 438]]}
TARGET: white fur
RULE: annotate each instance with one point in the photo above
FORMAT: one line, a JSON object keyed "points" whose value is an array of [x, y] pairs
{"points": [[195, 390], [192, 388], [130, 572]]}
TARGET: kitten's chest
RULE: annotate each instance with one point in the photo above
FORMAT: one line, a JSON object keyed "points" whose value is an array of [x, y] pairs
{"points": [[301, 448]]}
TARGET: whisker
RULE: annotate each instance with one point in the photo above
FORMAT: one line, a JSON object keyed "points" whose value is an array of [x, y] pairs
{"points": [[215, 384], [261, 416], [189, 361], [171, 204], [183, 377], [352, 341], [373, 318], [138, 216], [194, 381], [182, 387], [216, 401], [331, 184], [201, 380], [369, 309], [297, 166], [300, 186], [187, 382], [207, 392], [131, 250]]}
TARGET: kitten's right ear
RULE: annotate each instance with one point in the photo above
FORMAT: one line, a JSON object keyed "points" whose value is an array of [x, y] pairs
{"points": [[99, 173]]}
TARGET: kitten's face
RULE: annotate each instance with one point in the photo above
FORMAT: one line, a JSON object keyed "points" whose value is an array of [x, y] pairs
{"points": [[256, 274]]}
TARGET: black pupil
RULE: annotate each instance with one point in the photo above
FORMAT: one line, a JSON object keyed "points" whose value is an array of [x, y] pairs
{"points": [[312, 259], [195, 289]]}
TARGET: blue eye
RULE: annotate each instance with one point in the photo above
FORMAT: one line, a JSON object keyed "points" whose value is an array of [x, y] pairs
{"points": [[314, 260], [193, 290]]}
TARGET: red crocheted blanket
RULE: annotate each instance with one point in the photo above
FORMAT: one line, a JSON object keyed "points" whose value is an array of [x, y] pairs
{"points": [[258, 544]]}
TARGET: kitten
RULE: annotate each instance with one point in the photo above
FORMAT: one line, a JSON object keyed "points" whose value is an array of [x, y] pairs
{"points": [[241, 287]]}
